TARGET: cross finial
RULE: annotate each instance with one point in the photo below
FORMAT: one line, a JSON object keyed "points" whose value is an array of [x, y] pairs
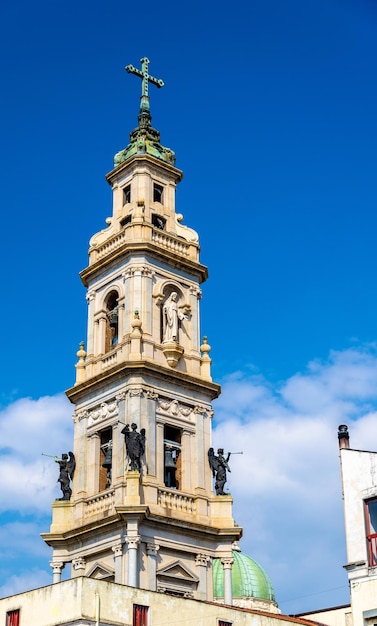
{"points": [[145, 76]]}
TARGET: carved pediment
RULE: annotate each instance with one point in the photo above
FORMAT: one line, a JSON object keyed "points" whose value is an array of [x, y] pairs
{"points": [[177, 572], [101, 572]]}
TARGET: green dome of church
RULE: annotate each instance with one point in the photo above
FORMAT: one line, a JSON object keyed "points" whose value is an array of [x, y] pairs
{"points": [[249, 579]]}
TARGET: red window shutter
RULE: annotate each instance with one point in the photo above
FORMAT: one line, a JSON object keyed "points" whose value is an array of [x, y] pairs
{"points": [[13, 618], [140, 616]]}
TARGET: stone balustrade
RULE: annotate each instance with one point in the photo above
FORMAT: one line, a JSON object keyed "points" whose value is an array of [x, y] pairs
{"points": [[101, 502], [176, 501]]}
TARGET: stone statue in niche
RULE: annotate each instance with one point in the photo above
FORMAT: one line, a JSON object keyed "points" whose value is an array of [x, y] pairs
{"points": [[172, 317], [219, 466], [67, 466], [135, 445]]}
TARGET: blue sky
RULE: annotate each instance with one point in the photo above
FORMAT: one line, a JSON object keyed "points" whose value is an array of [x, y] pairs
{"points": [[270, 107]]}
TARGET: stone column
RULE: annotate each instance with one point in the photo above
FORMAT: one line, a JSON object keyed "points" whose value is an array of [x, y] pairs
{"points": [[152, 550], [195, 295], [201, 561], [101, 331], [132, 543], [57, 567], [121, 318], [78, 567], [90, 297], [93, 464], [228, 593], [118, 558], [186, 460], [160, 453]]}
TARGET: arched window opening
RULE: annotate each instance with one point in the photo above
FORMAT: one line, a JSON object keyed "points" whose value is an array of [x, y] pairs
{"points": [[172, 457], [105, 465], [112, 326]]}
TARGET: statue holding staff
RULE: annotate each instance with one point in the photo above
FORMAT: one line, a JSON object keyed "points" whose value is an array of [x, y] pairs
{"points": [[135, 445]]}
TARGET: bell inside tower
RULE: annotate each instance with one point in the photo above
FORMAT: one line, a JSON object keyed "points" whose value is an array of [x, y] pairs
{"points": [[172, 457]]}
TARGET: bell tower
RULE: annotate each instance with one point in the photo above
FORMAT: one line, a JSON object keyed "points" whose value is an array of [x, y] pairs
{"points": [[143, 511]]}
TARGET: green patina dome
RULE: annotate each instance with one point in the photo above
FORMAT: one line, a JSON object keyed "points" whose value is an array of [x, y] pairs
{"points": [[249, 579]]}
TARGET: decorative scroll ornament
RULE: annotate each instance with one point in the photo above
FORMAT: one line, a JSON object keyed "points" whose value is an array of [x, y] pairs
{"points": [[80, 415], [173, 408], [104, 411], [151, 395]]}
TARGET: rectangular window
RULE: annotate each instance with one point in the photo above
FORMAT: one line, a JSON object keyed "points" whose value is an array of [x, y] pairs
{"points": [[127, 194], [140, 615], [13, 618], [371, 530], [222, 623], [158, 192]]}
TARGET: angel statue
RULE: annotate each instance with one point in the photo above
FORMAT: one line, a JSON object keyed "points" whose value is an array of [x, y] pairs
{"points": [[67, 469], [219, 466], [135, 445]]}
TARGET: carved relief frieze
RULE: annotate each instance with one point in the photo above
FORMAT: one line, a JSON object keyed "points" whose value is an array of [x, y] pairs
{"points": [[104, 411], [173, 408]]}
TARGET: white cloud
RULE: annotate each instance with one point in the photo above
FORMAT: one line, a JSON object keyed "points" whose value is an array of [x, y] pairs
{"points": [[17, 583], [28, 428], [286, 485]]}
